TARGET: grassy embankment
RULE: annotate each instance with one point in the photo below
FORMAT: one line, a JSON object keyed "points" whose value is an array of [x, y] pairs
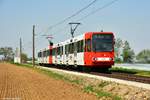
{"points": [[131, 71], [117, 69], [96, 89]]}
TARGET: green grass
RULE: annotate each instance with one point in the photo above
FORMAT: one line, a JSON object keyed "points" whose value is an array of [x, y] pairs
{"points": [[100, 93], [145, 73], [131, 71], [123, 70], [88, 89], [23, 65], [60, 76], [52, 74]]}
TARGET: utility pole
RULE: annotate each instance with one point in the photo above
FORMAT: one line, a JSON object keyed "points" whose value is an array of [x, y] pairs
{"points": [[33, 49], [20, 50], [73, 29]]}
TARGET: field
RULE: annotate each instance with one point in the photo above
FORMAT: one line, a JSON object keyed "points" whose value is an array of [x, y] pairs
{"points": [[23, 82], [20, 83]]}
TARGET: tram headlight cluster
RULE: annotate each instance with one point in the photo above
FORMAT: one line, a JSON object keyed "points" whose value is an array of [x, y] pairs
{"points": [[102, 59]]}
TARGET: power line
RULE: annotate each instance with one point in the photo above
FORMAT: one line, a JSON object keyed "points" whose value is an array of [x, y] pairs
{"points": [[98, 9], [73, 15], [91, 13]]}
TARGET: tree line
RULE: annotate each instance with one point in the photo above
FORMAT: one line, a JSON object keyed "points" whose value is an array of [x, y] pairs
{"points": [[125, 54], [8, 54]]}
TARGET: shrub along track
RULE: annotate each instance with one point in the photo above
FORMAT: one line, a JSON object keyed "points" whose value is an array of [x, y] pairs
{"points": [[19, 83]]}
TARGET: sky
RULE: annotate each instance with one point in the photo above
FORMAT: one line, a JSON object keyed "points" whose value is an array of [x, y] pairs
{"points": [[127, 19]]}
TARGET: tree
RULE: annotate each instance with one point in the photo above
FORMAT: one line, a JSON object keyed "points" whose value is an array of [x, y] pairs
{"points": [[128, 53], [7, 52], [24, 57], [144, 56], [118, 46]]}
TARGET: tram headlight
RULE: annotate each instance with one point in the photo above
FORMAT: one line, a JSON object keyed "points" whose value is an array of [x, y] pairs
{"points": [[94, 59], [102, 59]]}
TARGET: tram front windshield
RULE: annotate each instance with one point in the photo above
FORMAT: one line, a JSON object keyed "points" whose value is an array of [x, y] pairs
{"points": [[102, 42]]}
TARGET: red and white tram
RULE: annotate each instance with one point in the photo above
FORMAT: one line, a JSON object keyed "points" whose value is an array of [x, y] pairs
{"points": [[92, 49]]}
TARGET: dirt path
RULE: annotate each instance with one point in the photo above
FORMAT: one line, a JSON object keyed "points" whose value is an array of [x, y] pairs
{"points": [[18, 83]]}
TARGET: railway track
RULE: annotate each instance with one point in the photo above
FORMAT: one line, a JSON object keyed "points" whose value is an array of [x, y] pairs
{"points": [[124, 76], [118, 75]]}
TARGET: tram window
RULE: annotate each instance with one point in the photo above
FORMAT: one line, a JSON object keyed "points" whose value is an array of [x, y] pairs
{"points": [[39, 54], [71, 48], [78, 46], [75, 47], [81, 44], [44, 54], [61, 50], [88, 45], [53, 51], [68, 48], [65, 49], [58, 50], [48, 52]]}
